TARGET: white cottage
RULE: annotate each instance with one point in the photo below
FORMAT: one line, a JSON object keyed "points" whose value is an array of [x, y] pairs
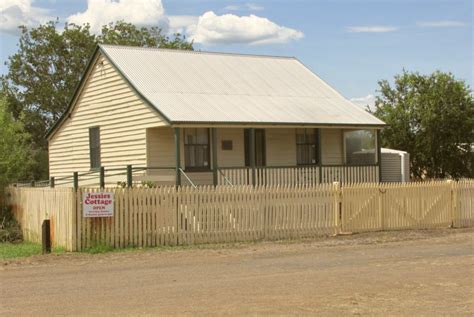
{"points": [[211, 118]]}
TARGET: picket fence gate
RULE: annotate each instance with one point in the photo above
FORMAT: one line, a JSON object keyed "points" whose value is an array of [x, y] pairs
{"points": [[146, 217]]}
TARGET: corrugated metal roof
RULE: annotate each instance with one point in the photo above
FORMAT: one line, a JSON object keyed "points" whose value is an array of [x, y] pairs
{"points": [[204, 87]]}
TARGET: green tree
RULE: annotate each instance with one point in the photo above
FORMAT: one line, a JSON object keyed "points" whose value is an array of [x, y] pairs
{"points": [[432, 118], [15, 152], [123, 33], [44, 72]]}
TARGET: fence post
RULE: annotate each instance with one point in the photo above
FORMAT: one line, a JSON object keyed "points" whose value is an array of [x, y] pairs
{"points": [[46, 236], [33, 183], [75, 177], [380, 192], [452, 203], [102, 177], [129, 176], [51, 182], [337, 206]]}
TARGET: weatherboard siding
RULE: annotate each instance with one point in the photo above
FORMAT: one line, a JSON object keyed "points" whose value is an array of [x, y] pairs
{"points": [[107, 101], [280, 149], [332, 147]]}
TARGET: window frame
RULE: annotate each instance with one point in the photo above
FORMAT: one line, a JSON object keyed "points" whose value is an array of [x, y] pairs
{"points": [[96, 148], [187, 146], [344, 143], [316, 144]]}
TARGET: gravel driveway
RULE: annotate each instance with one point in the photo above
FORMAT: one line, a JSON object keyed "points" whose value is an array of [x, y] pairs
{"points": [[395, 273]]}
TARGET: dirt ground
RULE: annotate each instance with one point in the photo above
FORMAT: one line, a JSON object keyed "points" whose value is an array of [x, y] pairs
{"points": [[393, 273]]}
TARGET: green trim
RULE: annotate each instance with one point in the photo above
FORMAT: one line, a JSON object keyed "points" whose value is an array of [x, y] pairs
{"points": [[320, 157], [296, 124], [214, 156], [177, 145], [295, 166], [379, 155]]}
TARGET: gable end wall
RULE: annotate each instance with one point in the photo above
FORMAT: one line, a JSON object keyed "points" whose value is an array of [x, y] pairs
{"points": [[109, 102]]}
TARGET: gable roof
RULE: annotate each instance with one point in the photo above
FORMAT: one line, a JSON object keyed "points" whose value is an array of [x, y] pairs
{"points": [[192, 87], [204, 87]]}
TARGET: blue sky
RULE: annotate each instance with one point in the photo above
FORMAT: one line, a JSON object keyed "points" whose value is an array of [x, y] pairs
{"points": [[350, 44]]}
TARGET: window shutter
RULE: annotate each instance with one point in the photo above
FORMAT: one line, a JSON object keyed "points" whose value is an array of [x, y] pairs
{"points": [[94, 147]]}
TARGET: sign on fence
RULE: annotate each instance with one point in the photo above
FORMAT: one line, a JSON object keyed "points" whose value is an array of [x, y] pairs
{"points": [[100, 204]]}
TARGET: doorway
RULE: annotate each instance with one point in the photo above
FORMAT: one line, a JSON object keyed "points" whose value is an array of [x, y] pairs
{"points": [[260, 155]]}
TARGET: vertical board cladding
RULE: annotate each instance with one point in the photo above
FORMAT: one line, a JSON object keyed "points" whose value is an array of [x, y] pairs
{"points": [[332, 146], [108, 102]]}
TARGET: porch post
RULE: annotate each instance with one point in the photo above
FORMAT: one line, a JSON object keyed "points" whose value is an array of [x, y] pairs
{"points": [[214, 156], [320, 157], [178, 155], [252, 153], [379, 155]]}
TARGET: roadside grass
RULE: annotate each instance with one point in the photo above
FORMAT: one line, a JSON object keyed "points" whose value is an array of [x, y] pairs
{"points": [[24, 249]]}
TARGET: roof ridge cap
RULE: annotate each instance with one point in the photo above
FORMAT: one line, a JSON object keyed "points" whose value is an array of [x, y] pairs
{"points": [[171, 50]]}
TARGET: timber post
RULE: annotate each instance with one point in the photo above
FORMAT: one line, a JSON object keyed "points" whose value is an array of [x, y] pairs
{"points": [[75, 177], [129, 176], [252, 154], [214, 156], [337, 206], [320, 158], [102, 177], [178, 155]]}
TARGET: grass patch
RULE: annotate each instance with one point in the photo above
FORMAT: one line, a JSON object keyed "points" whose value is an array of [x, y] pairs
{"points": [[24, 249], [99, 248]]}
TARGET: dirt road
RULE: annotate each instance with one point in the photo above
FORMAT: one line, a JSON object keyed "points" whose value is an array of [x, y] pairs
{"points": [[401, 273]]}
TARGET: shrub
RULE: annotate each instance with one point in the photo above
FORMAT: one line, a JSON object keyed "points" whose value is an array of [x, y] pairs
{"points": [[10, 230]]}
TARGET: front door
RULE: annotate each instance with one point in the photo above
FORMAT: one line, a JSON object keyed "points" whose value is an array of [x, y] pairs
{"points": [[260, 159]]}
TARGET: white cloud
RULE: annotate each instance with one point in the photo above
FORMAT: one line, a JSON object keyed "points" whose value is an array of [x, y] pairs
{"points": [[440, 24], [372, 29], [14, 13], [254, 6], [179, 23], [368, 100], [139, 12], [247, 6], [230, 28]]}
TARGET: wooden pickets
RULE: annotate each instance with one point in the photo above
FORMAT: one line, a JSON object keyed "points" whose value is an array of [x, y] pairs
{"points": [[146, 217]]}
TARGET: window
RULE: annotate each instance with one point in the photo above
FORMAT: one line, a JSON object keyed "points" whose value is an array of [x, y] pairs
{"points": [[307, 146], [94, 147], [360, 147], [196, 149]]}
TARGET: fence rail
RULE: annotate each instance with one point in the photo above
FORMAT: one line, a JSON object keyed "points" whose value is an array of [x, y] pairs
{"points": [[187, 215]]}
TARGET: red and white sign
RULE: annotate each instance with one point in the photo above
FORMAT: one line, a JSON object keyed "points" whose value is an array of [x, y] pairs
{"points": [[99, 204]]}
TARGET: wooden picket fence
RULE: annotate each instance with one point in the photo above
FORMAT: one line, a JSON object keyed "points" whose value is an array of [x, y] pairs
{"points": [[165, 216], [31, 206], [145, 217]]}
